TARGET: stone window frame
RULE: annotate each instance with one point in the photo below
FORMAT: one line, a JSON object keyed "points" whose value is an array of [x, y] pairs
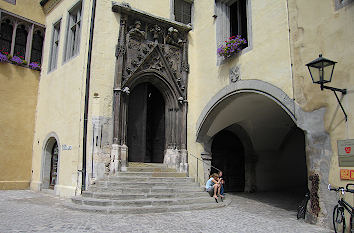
{"points": [[172, 10], [31, 27], [222, 16], [73, 31], [54, 47]]}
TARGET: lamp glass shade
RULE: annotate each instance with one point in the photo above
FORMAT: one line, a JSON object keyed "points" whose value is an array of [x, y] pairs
{"points": [[316, 74], [321, 70], [327, 73]]}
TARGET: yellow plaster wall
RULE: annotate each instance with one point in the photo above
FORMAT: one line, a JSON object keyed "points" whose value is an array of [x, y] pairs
{"points": [[30, 9], [318, 28], [267, 60], [18, 99], [61, 102]]}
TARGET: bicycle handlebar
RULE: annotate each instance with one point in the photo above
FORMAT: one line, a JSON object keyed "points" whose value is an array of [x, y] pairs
{"points": [[342, 189]]}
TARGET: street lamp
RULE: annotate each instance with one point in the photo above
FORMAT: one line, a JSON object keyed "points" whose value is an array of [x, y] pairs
{"points": [[321, 71]]}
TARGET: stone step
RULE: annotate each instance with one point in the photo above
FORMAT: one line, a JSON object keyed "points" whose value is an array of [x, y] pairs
{"points": [[123, 178], [139, 190], [150, 169], [138, 164], [145, 184], [152, 174], [141, 202], [106, 194], [145, 209]]}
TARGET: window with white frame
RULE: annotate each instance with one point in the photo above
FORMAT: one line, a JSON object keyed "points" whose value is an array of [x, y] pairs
{"points": [[73, 32], [232, 19], [53, 58], [18, 37], [183, 11]]}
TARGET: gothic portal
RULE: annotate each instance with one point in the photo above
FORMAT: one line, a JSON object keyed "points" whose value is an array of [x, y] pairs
{"points": [[150, 90]]}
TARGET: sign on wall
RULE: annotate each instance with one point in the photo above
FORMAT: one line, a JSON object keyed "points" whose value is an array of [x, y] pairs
{"points": [[346, 174], [346, 152]]}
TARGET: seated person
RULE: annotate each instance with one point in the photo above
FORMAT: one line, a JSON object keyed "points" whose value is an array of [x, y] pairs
{"points": [[213, 186], [222, 182]]}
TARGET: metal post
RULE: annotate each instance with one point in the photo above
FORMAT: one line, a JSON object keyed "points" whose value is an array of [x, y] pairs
{"points": [[197, 171]]}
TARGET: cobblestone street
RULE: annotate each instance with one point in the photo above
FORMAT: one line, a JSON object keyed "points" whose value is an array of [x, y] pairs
{"points": [[27, 211]]}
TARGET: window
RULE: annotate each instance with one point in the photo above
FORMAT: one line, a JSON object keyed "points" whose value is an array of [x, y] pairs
{"points": [[37, 44], [54, 46], [6, 36], [183, 11], [21, 37], [73, 32], [21, 41], [231, 20], [238, 19]]}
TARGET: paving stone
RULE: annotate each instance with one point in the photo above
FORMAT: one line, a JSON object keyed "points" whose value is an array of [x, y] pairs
{"points": [[27, 211]]}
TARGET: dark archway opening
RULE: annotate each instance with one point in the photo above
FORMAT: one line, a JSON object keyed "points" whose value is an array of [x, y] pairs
{"points": [[228, 156], [146, 124], [51, 162], [54, 166]]}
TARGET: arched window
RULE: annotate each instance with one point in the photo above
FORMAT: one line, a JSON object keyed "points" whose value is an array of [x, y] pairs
{"points": [[37, 44], [6, 36], [20, 41]]}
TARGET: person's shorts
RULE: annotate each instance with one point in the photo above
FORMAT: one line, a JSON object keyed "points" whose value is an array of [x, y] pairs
{"points": [[210, 190]]}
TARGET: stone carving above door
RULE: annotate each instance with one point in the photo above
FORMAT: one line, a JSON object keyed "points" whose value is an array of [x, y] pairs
{"points": [[153, 44], [143, 54]]}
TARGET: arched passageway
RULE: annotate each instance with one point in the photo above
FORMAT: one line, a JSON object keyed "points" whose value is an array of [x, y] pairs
{"points": [[51, 163], [146, 124], [273, 147]]}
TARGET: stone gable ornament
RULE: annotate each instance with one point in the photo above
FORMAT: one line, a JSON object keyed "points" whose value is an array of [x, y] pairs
{"points": [[234, 74], [136, 33], [172, 37]]}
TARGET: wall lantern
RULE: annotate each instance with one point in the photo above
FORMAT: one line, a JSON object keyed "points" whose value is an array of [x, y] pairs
{"points": [[321, 71]]}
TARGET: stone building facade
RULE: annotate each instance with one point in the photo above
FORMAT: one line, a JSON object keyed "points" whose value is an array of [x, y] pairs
{"points": [[21, 35], [141, 81]]}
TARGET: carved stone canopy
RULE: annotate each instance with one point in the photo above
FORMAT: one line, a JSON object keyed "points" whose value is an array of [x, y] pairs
{"points": [[152, 43]]}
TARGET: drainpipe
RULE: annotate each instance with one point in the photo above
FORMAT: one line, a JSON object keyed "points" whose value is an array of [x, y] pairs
{"points": [[87, 95]]}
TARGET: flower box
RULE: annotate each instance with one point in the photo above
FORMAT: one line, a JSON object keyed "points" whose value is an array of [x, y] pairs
{"points": [[234, 45]]}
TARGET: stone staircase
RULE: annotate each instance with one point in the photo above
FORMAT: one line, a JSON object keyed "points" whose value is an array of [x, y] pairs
{"points": [[145, 188]]}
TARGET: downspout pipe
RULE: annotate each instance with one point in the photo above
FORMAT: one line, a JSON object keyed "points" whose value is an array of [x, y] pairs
{"points": [[87, 96]]}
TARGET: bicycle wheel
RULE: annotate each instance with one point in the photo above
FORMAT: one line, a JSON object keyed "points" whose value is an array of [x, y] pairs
{"points": [[338, 219]]}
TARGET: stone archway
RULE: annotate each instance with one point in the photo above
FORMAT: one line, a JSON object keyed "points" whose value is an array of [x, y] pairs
{"points": [[271, 112], [50, 163]]}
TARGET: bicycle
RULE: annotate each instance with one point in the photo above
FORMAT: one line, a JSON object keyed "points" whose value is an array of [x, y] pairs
{"points": [[301, 209], [338, 211]]}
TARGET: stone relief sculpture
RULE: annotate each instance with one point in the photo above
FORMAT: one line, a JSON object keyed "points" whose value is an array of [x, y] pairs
{"points": [[173, 38]]}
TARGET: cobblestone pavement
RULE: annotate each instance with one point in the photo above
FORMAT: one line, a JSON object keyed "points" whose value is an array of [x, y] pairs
{"points": [[27, 211]]}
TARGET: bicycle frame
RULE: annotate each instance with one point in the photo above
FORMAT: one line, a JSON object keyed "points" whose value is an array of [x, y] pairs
{"points": [[343, 203], [346, 206]]}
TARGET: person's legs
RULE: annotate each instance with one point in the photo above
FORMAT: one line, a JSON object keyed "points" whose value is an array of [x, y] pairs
{"points": [[220, 193], [215, 190], [222, 189]]}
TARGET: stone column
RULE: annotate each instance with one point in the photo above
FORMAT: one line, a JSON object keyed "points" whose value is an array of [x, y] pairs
{"points": [[117, 97]]}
